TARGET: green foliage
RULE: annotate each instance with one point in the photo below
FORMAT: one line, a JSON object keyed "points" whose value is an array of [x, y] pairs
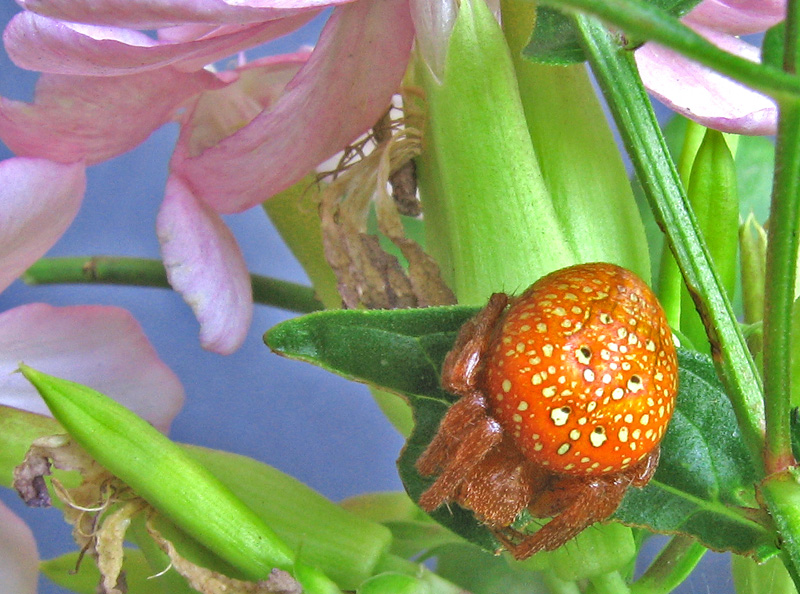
{"points": [[555, 41], [705, 479]]}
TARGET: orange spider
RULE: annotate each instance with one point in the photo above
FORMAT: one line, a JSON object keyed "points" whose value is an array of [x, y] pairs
{"points": [[564, 398]]}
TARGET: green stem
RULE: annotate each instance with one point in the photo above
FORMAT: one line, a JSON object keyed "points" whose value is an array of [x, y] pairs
{"points": [[645, 22], [673, 565], [627, 99], [610, 583], [782, 245], [780, 493], [142, 272]]}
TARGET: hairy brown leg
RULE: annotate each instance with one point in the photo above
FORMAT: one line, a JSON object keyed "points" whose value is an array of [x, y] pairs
{"points": [[595, 501], [467, 412], [462, 365], [475, 443]]}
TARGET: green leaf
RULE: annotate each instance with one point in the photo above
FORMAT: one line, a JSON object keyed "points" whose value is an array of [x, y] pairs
{"points": [[398, 350], [704, 483], [705, 479], [554, 40], [772, 48]]}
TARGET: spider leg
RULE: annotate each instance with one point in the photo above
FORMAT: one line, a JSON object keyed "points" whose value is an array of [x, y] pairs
{"points": [[462, 365], [476, 442], [595, 502], [500, 486], [469, 411]]}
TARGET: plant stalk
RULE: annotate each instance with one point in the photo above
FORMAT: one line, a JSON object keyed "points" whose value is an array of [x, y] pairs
{"points": [[782, 246], [143, 272]]}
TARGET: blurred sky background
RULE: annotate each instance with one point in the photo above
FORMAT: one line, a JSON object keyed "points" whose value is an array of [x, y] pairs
{"points": [[321, 429]]}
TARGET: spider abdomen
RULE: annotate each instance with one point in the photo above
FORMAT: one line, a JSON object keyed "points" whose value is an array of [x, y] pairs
{"points": [[583, 372]]}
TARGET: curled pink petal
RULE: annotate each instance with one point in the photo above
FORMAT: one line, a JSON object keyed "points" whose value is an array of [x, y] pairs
{"points": [[738, 17], [96, 118], [336, 96], [38, 201], [98, 346], [704, 95], [217, 114], [154, 14], [204, 264], [48, 45], [19, 559]]}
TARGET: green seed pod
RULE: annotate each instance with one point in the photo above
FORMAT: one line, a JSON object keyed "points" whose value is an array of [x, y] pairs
{"points": [[160, 472]]}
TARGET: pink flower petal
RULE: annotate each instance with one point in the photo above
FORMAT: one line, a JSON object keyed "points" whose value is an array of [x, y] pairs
{"points": [[96, 118], [48, 45], [335, 97], [38, 201], [19, 559], [219, 113], [704, 95], [98, 346], [153, 14], [204, 264], [738, 17]]}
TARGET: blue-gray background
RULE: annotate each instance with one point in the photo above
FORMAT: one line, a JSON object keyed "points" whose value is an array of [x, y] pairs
{"points": [[319, 428]]}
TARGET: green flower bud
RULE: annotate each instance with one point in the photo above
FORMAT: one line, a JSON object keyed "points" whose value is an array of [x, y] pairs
{"points": [[714, 198], [490, 221]]}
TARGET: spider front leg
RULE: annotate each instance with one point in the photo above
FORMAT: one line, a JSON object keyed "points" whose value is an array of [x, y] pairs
{"points": [[467, 433], [465, 437], [463, 364]]}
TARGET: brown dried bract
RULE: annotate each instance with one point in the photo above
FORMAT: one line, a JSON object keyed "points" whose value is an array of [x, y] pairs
{"points": [[368, 276]]}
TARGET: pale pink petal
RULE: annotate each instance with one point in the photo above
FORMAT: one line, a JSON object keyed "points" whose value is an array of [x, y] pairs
{"points": [[98, 346], [96, 118], [154, 14], [204, 264], [738, 17], [19, 559], [38, 201], [704, 95], [342, 90], [48, 45], [217, 114]]}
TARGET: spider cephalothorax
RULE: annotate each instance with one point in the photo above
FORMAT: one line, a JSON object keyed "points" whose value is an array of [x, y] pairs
{"points": [[565, 395]]}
